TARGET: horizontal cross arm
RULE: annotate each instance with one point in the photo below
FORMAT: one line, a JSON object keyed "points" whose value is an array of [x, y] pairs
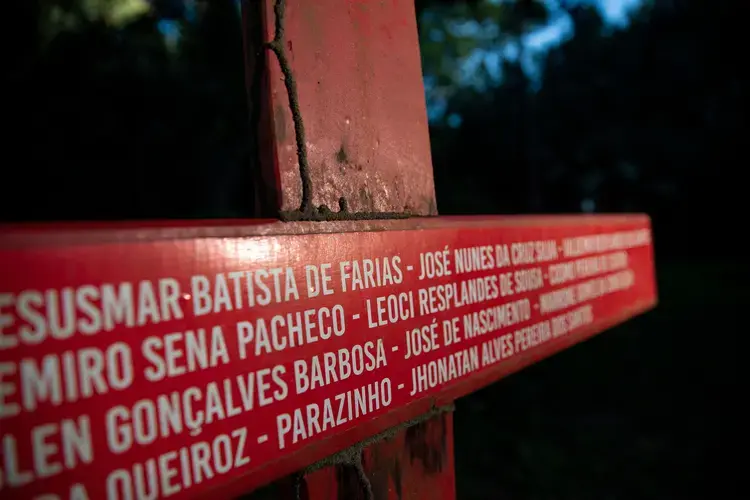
{"points": [[226, 355]]}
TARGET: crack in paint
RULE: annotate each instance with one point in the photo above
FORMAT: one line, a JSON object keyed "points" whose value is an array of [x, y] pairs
{"points": [[352, 456], [306, 211], [361, 485], [364, 480], [299, 479], [277, 47]]}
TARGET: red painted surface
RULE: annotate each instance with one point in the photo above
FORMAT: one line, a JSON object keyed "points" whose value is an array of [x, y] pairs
{"points": [[358, 74], [414, 464], [409, 464], [163, 267]]}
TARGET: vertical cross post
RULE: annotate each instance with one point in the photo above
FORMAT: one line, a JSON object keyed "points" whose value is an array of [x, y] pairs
{"points": [[337, 97]]}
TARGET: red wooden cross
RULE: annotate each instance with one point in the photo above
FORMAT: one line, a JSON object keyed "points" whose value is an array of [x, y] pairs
{"points": [[206, 359]]}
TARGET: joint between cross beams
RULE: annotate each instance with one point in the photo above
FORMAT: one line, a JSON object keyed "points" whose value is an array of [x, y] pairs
{"points": [[323, 214]]}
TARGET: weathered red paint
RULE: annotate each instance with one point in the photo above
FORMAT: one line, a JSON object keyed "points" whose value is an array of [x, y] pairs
{"points": [[357, 69], [412, 464], [41, 259]]}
